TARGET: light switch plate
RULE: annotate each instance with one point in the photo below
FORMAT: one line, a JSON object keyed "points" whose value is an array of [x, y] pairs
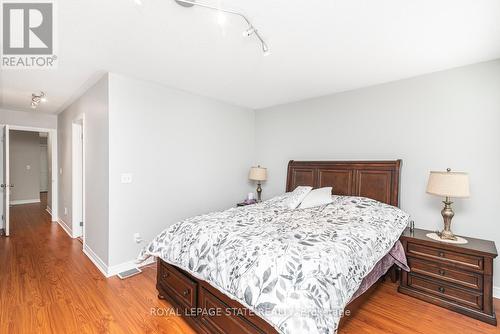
{"points": [[126, 178]]}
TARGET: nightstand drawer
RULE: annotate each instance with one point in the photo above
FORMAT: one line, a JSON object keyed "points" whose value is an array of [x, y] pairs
{"points": [[445, 273], [446, 256], [441, 289]]}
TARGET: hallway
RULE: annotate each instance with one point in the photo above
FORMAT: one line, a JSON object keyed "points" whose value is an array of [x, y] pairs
{"points": [[47, 285]]}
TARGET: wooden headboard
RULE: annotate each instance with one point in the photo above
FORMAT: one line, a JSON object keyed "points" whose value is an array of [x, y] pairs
{"points": [[378, 180]]}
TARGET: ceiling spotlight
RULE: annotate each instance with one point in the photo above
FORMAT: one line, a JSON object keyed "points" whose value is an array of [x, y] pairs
{"points": [[249, 32], [37, 98], [138, 2]]}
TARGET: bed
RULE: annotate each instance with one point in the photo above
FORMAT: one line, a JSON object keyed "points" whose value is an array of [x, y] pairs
{"points": [[268, 269]]}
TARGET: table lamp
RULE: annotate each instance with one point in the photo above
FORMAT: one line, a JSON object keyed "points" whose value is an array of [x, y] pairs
{"points": [[448, 184], [258, 174]]}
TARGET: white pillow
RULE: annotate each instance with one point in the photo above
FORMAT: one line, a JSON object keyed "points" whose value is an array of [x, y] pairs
{"points": [[297, 196], [317, 197]]}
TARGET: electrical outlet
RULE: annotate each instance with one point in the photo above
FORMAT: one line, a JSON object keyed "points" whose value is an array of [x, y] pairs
{"points": [[60, 171], [137, 238], [126, 178], [65, 211]]}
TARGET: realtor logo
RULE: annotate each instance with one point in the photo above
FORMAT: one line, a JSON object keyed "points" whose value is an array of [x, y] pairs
{"points": [[28, 35]]}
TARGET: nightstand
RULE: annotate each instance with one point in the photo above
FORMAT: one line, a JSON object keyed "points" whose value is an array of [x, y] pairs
{"points": [[457, 277]]}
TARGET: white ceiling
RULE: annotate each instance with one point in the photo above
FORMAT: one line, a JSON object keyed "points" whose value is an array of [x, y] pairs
{"points": [[318, 47]]}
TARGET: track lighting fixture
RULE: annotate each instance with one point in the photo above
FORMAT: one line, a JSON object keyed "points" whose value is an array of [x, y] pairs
{"points": [[247, 33], [37, 98]]}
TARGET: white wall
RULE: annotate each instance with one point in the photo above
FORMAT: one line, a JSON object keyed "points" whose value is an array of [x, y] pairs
{"points": [[188, 155], [93, 105], [33, 119], [24, 167], [447, 119]]}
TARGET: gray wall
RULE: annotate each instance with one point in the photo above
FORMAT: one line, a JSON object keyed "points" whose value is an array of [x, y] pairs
{"points": [[447, 119], [188, 155], [24, 151], [94, 105], [22, 118]]}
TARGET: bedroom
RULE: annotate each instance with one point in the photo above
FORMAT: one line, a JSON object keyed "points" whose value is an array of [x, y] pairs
{"points": [[173, 123]]}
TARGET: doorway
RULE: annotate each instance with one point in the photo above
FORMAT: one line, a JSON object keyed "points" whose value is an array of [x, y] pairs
{"points": [[28, 175]]}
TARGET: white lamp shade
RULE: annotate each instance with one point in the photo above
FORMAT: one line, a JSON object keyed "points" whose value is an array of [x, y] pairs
{"points": [[448, 184], [258, 174]]}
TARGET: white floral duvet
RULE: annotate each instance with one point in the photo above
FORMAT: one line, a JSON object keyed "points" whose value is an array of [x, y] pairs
{"points": [[297, 269]]}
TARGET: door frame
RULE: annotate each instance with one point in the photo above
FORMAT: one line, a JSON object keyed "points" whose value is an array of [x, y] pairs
{"points": [[78, 139], [54, 166], [6, 180]]}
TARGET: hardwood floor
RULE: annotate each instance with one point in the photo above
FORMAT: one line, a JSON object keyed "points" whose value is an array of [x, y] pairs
{"points": [[47, 285]]}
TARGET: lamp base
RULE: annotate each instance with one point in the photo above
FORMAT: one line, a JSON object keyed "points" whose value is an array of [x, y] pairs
{"points": [[259, 193], [448, 235], [447, 214]]}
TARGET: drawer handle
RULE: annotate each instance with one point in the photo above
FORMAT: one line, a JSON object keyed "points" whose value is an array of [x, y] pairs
{"points": [[442, 272], [441, 289], [165, 275], [185, 292], [441, 254]]}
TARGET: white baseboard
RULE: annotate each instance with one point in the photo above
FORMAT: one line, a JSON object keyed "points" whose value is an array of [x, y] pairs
{"points": [[496, 292], [25, 201], [113, 270], [66, 227], [98, 262], [49, 210]]}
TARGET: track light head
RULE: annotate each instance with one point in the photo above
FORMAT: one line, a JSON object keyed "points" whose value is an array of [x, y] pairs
{"points": [[249, 32], [189, 3], [265, 49]]}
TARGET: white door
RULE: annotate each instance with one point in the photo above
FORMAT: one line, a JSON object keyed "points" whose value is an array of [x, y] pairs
{"points": [[44, 169], [5, 185], [2, 213], [77, 180]]}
